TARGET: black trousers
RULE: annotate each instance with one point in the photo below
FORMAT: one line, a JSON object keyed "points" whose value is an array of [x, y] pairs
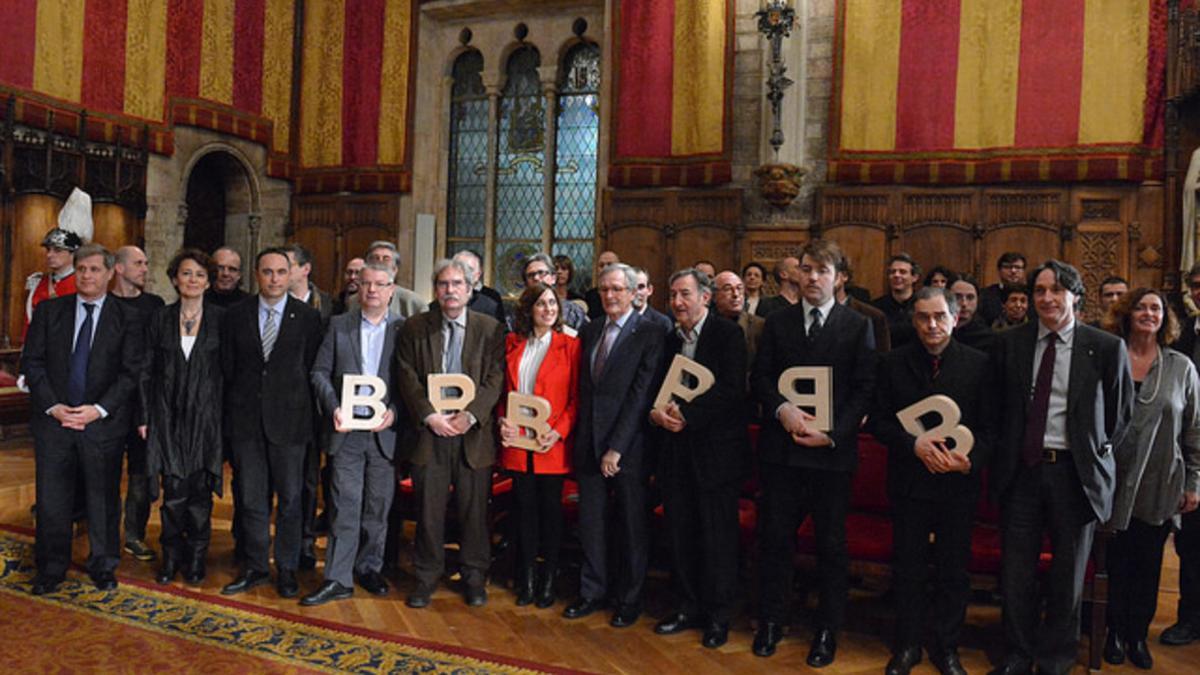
{"points": [[137, 490], [950, 524], [59, 457], [702, 527], [1134, 568], [1187, 545], [1045, 499], [309, 493], [472, 488], [791, 494], [629, 519], [539, 518], [186, 512], [263, 467]]}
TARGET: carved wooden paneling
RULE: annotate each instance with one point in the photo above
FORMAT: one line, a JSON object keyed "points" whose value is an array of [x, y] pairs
{"points": [[870, 207], [927, 208], [339, 227], [1005, 208]]}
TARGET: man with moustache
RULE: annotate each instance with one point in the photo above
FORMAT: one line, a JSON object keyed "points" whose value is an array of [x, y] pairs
{"points": [[932, 487], [806, 471], [363, 476], [267, 350], [451, 449], [131, 268], [704, 450], [80, 363], [226, 290], [1053, 469]]}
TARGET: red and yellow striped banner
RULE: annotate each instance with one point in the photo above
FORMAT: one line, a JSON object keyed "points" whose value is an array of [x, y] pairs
{"points": [[970, 91], [674, 76]]}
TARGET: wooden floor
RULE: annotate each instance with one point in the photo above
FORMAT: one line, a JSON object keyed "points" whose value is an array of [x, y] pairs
{"points": [[543, 636]]}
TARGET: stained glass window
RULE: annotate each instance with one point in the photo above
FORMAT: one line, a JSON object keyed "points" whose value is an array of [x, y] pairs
{"points": [[578, 130], [520, 168], [466, 212]]}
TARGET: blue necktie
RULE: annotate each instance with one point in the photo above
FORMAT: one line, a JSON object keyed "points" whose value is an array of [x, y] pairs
{"points": [[77, 381]]}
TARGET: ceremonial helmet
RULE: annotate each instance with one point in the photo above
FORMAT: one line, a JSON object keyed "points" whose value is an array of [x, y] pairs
{"points": [[75, 226]]}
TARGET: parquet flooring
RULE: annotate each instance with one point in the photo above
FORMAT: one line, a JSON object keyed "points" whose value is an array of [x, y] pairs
{"points": [[543, 636]]}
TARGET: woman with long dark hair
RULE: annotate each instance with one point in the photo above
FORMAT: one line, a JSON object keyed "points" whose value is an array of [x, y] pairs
{"points": [[181, 389], [541, 360]]}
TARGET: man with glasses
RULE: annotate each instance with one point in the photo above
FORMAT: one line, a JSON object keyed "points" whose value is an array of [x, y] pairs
{"points": [[540, 269], [1011, 266]]}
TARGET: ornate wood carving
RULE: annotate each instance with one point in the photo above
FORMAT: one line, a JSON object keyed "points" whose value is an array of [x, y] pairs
{"points": [[1100, 255], [854, 209], [946, 209], [1101, 209], [1009, 209]]}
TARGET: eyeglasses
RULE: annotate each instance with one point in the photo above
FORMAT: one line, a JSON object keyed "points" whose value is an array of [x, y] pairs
{"points": [[538, 274], [375, 284]]}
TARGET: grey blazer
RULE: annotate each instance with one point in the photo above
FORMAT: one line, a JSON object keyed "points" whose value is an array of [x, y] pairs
{"points": [[341, 354]]}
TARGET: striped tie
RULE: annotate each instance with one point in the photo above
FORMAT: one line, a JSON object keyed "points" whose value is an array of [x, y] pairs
{"points": [[270, 332]]}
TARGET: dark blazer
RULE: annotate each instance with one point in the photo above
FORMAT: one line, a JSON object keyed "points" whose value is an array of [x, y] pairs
{"points": [[1187, 336], [419, 354], [112, 365], [846, 344], [1099, 405], [904, 379], [613, 410], [879, 323], [323, 303], [715, 442], [665, 322], [271, 397], [341, 354]]}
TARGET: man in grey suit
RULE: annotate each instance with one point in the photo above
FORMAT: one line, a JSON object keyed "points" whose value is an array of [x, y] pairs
{"points": [[1066, 398], [359, 342]]}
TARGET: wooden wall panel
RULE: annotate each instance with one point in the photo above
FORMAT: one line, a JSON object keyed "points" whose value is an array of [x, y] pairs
{"points": [[866, 249], [34, 215], [322, 242], [339, 227], [116, 226], [1037, 243]]}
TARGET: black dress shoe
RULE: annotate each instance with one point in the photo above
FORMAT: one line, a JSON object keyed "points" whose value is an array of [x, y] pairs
{"points": [[583, 607], [1012, 666], [824, 648], [138, 549], [1182, 632], [330, 590], [715, 634], [166, 573], [948, 663], [1114, 648], [676, 623], [105, 581], [44, 584], [625, 616], [373, 583], [194, 574], [903, 660], [543, 596], [245, 581], [1139, 654], [524, 587], [766, 637], [420, 597], [286, 585], [475, 596]]}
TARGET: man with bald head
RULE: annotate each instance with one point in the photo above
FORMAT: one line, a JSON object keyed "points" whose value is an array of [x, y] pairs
{"points": [[129, 275], [595, 308], [787, 271], [730, 302], [226, 289]]}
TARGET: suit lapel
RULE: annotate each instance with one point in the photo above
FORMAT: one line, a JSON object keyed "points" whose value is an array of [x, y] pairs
{"points": [[1026, 348], [105, 328], [355, 336], [389, 346], [1082, 353], [434, 339]]}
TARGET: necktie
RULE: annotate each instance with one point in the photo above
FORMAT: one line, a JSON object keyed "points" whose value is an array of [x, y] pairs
{"points": [[1035, 418], [935, 368], [815, 326], [77, 379], [602, 350], [270, 332], [454, 349]]}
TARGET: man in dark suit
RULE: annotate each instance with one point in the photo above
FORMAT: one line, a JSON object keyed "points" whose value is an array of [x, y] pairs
{"points": [[303, 289], [932, 487], [729, 299], [1054, 468], [267, 350], [807, 471], [363, 477], [621, 359], [484, 299], [641, 301], [1186, 628], [704, 449], [80, 363], [595, 307], [226, 289], [451, 448]]}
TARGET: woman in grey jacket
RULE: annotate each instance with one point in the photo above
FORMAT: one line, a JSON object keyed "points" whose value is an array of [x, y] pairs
{"points": [[1158, 469]]}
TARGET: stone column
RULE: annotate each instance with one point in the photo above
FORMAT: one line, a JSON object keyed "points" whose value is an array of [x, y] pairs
{"points": [[548, 76], [491, 82]]}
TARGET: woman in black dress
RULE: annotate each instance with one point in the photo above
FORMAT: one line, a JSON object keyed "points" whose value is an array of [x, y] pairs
{"points": [[181, 388]]}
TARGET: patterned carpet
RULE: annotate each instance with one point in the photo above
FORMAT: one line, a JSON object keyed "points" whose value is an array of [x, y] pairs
{"points": [[139, 629]]}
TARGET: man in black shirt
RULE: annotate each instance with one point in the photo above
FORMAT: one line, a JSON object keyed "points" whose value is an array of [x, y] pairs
{"points": [[130, 271], [227, 288], [896, 304], [1011, 267]]}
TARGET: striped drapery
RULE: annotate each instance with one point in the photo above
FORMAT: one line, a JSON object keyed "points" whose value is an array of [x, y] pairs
{"points": [[976, 91], [674, 75]]}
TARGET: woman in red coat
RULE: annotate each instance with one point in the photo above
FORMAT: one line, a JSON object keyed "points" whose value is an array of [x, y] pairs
{"points": [[541, 361]]}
